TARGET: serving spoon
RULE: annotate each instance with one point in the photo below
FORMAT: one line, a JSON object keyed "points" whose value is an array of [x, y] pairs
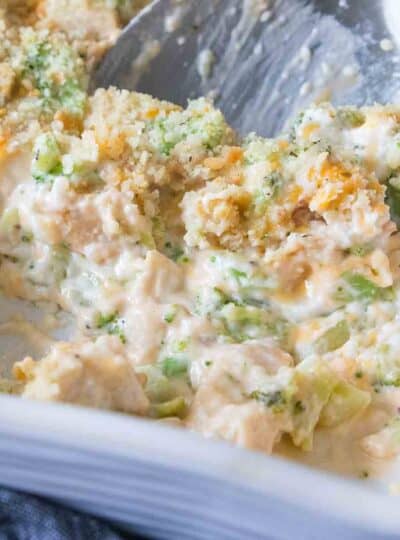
{"points": [[260, 60]]}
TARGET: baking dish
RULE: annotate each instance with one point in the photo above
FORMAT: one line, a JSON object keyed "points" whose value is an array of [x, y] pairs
{"points": [[163, 481]]}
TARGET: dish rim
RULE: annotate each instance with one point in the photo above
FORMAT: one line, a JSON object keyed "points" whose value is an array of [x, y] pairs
{"points": [[78, 428]]}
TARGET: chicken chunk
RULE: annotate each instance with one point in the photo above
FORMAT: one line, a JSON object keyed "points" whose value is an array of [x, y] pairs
{"points": [[94, 374]]}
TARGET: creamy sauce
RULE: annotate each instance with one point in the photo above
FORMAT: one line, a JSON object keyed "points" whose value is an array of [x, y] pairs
{"points": [[247, 289]]}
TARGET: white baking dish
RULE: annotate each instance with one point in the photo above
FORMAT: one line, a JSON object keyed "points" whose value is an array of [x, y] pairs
{"points": [[173, 484]]}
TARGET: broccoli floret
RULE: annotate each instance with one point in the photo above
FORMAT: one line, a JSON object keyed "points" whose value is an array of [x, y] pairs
{"points": [[56, 71], [46, 163], [50, 161], [360, 250], [201, 122], [175, 252], [243, 322], [334, 338], [276, 399], [112, 324], [257, 149], [172, 366]]}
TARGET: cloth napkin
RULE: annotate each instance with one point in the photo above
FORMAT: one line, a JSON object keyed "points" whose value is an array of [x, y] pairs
{"points": [[25, 517]]}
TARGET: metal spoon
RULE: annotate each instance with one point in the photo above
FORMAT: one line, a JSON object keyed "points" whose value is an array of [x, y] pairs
{"points": [[266, 59]]}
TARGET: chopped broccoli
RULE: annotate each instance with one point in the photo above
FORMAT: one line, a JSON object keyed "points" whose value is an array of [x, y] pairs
{"points": [[112, 324], [27, 237], [175, 252], [170, 315], [356, 287], [56, 71], [46, 163], [49, 162], [174, 407], [295, 125], [269, 189], [334, 338], [199, 121], [310, 394], [360, 250], [275, 400], [60, 257], [239, 275], [242, 323], [174, 366], [161, 389]]}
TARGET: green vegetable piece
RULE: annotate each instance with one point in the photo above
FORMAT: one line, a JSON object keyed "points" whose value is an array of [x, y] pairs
{"points": [[46, 162], [393, 200], [147, 241], [345, 402], [220, 297], [60, 257], [360, 250], [72, 97], [351, 118], [301, 399], [238, 274], [242, 314], [181, 345], [298, 407], [388, 369], [210, 301], [169, 317], [103, 321], [27, 237], [175, 252], [248, 322], [275, 400], [295, 125], [112, 324], [312, 387], [158, 387], [56, 70], [174, 407], [334, 338], [359, 288], [241, 322], [391, 378], [271, 185], [202, 122], [173, 366]]}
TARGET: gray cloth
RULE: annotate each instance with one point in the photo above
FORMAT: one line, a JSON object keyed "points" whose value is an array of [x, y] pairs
{"points": [[25, 517]]}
